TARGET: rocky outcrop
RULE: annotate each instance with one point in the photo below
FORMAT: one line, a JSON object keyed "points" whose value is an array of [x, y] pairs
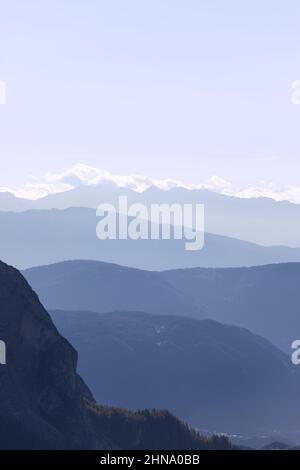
{"points": [[44, 404], [40, 393]]}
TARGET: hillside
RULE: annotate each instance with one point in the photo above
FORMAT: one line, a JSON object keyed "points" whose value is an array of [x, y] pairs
{"points": [[44, 404], [257, 220], [217, 377], [39, 237], [101, 287], [264, 299]]}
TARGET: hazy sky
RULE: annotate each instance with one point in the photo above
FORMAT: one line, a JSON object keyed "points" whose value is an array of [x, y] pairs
{"points": [[167, 88]]}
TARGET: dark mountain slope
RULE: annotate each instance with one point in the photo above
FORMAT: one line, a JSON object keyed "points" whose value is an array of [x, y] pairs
{"points": [[155, 429], [264, 299], [44, 404], [217, 377], [96, 286], [40, 392]]}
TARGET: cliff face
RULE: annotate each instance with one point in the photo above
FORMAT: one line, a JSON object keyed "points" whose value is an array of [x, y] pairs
{"points": [[40, 393], [44, 404]]}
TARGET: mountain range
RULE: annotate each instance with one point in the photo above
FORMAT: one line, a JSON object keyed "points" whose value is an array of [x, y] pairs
{"points": [[38, 237], [44, 404], [217, 377], [261, 221], [205, 334], [263, 299], [98, 286]]}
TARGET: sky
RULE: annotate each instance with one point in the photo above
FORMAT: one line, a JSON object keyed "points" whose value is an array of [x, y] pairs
{"points": [[197, 91]]}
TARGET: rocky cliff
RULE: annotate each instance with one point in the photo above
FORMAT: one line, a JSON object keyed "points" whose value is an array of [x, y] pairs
{"points": [[44, 404]]}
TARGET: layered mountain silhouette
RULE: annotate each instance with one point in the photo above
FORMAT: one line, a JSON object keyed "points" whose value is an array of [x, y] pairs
{"points": [[259, 220], [92, 285], [39, 237], [44, 404], [264, 299], [41, 396], [217, 377]]}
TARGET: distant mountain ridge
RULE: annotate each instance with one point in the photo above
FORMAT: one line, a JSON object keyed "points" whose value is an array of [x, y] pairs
{"points": [[39, 237], [259, 220], [44, 404], [264, 299], [217, 377], [102, 287]]}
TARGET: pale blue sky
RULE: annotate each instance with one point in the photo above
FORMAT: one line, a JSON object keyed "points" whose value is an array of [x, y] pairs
{"points": [[167, 88]]}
